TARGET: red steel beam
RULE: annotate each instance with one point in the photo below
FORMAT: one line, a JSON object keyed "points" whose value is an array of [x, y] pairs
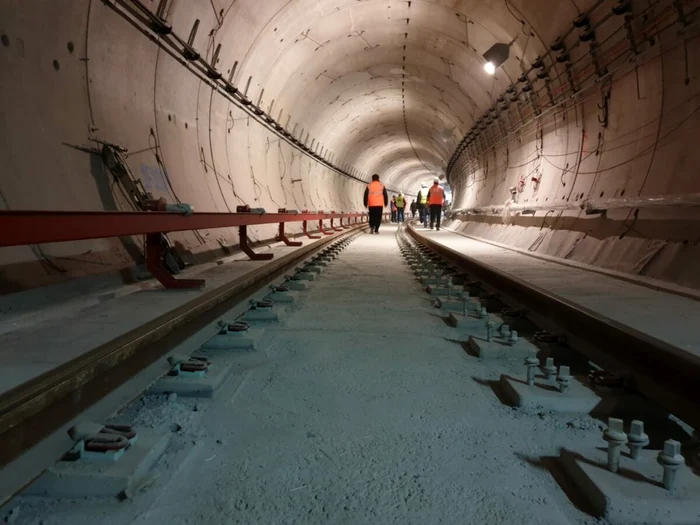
{"points": [[19, 228]]}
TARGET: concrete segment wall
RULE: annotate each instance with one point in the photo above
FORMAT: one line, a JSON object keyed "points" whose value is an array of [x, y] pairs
{"points": [[647, 148], [384, 86], [74, 70]]}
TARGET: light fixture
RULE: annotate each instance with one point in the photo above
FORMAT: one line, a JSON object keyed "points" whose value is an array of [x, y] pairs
{"points": [[496, 56]]}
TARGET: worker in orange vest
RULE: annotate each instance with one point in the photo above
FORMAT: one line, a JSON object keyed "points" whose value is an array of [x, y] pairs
{"points": [[375, 199], [436, 198]]}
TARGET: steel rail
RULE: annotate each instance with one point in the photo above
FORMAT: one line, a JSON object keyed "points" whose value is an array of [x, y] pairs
{"points": [[32, 411], [663, 372], [23, 227]]}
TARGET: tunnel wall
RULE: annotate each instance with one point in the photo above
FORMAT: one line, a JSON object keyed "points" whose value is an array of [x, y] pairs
{"points": [[647, 148], [388, 86], [73, 69]]}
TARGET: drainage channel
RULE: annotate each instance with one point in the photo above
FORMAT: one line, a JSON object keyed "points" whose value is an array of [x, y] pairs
{"points": [[375, 385], [638, 472], [32, 413]]}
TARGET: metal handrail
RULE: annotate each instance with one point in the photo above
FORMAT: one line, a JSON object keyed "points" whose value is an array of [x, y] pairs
{"points": [[19, 228], [33, 410], [23, 227]]}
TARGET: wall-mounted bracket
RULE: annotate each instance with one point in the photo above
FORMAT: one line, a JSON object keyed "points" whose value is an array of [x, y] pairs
{"points": [[339, 229], [306, 232], [243, 243], [154, 263], [285, 239], [322, 229]]}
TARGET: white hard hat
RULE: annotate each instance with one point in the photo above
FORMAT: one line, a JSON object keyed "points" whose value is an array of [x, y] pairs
{"points": [[424, 185], [436, 180]]}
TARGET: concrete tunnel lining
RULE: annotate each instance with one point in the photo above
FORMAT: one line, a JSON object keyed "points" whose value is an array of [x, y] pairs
{"points": [[375, 85], [129, 91]]}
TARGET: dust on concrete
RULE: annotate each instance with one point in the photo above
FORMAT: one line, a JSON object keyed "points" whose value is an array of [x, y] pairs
{"points": [[359, 408]]}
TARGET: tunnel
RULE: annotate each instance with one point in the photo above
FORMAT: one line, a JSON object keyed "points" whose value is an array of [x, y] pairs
{"points": [[396, 88], [561, 135]]}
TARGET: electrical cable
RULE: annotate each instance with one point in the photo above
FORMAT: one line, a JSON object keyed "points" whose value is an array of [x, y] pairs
{"points": [[524, 121], [523, 126], [653, 153], [641, 153], [211, 151], [86, 61], [141, 18]]}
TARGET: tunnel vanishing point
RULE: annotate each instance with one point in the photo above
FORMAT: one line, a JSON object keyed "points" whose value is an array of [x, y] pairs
{"points": [[313, 374], [581, 144]]}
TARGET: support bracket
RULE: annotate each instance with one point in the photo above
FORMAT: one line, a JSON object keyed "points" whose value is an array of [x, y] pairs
{"points": [[306, 232], [321, 229], [243, 243], [154, 263], [337, 229], [285, 239]]}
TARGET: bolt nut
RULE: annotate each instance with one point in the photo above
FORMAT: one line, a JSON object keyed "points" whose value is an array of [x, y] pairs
{"points": [[531, 362], [616, 437], [671, 456], [671, 460], [513, 337], [564, 378], [637, 439], [615, 432], [550, 371]]}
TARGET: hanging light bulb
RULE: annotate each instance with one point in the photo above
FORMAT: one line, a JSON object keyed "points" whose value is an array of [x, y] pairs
{"points": [[496, 56]]}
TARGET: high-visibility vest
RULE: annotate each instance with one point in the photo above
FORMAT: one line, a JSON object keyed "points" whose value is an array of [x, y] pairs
{"points": [[423, 196], [400, 203], [437, 195], [375, 196]]}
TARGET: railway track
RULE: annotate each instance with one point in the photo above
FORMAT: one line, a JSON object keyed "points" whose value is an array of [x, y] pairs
{"points": [[390, 363], [663, 372], [30, 412]]}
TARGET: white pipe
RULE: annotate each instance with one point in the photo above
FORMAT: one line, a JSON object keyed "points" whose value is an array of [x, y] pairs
{"points": [[652, 201], [689, 200]]}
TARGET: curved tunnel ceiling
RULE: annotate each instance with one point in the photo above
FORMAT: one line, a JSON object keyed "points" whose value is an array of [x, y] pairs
{"points": [[336, 90], [385, 86]]}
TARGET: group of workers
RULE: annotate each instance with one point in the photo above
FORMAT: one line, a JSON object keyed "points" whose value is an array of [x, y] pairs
{"points": [[398, 208], [429, 204]]}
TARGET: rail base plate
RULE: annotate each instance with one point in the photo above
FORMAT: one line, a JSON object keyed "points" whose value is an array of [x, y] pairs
{"points": [[635, 494], [498, 348], [545, 395], [81, 479], [206, 386]]}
